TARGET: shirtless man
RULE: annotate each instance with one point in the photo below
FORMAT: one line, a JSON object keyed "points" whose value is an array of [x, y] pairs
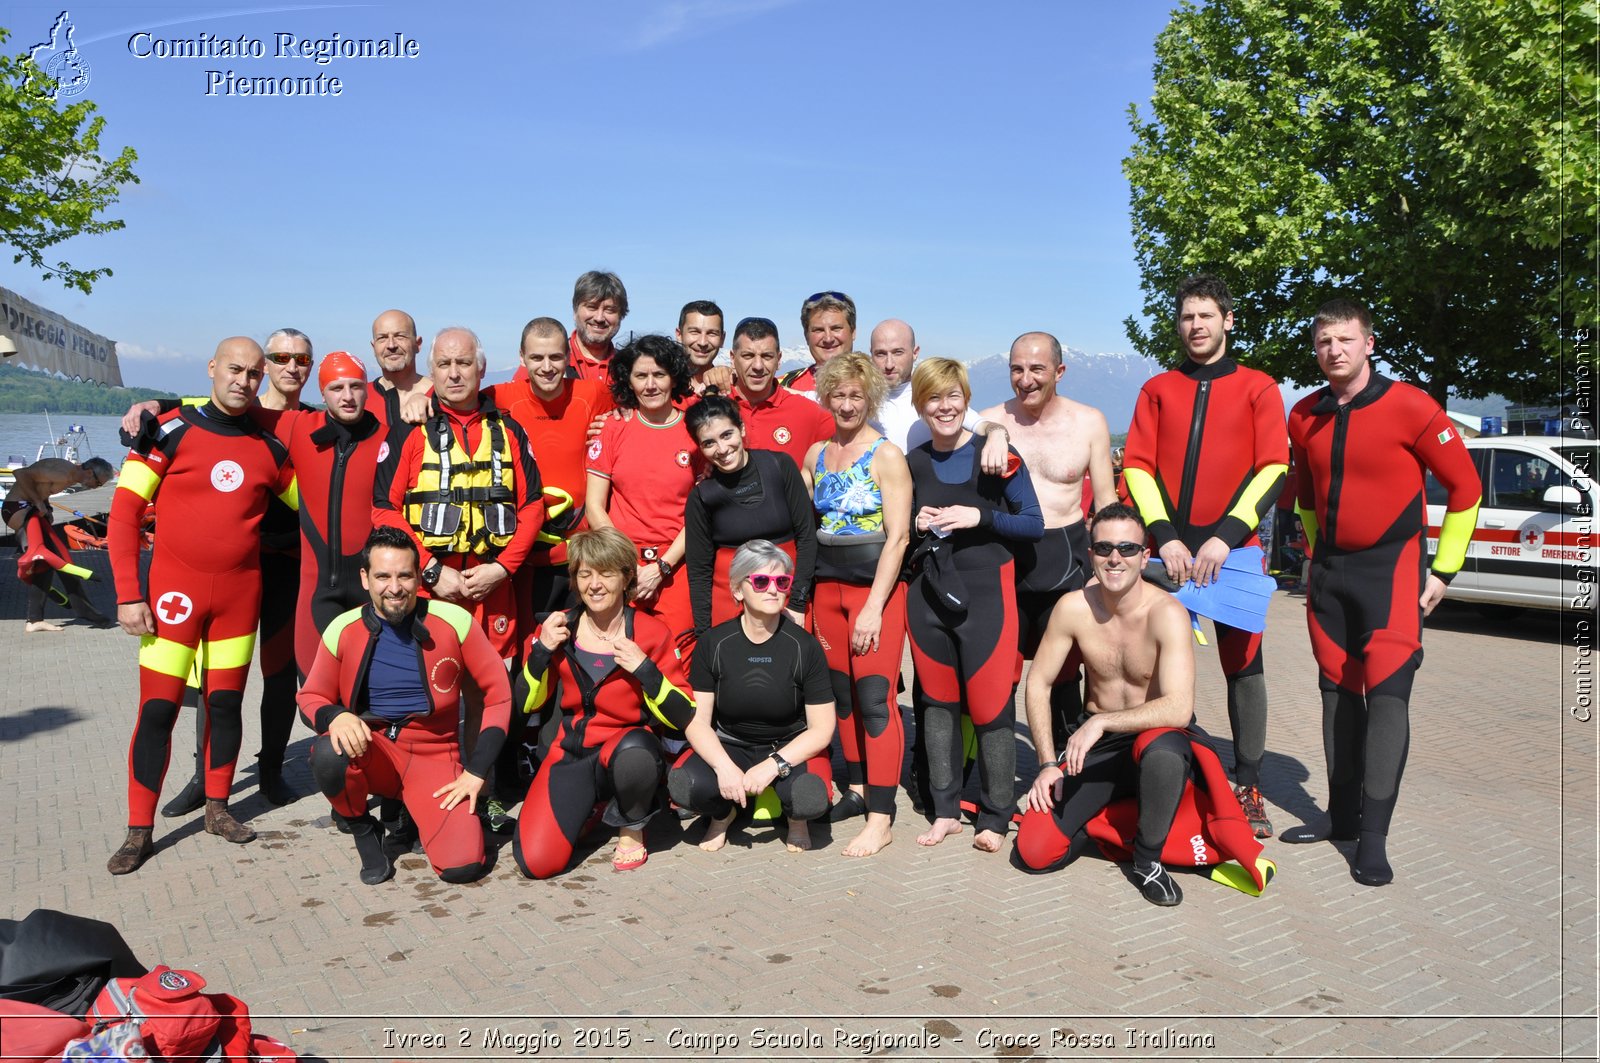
{"points": [[1061, 440], [26, 511], [1136, 644]]}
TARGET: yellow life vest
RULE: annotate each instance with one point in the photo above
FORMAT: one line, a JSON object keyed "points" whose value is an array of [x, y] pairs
{"points": [[462, 504]]}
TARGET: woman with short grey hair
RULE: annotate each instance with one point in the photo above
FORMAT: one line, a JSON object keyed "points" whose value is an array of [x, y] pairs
{"points": [[763, 708]]}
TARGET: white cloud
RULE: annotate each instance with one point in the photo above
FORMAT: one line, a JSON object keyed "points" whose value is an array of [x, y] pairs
{"points": [[160, 354], [682, 19]]}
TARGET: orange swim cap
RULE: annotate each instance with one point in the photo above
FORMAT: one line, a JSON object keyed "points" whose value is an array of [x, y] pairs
{"points": [[340, 365]]}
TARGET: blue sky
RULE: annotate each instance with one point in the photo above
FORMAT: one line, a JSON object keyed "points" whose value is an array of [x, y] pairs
{"points": [[954, 164]]}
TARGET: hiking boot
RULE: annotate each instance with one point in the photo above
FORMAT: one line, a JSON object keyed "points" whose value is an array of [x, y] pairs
{"points": [[134, 850], [1157, 884], [1255, 810], [220, 821], [188, 800]]}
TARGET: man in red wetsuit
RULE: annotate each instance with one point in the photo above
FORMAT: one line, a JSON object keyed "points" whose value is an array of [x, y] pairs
{"points": [[775, 418], [466, 489], [212, 470], [1362, 446], [1204, 462], [828, 321], [383, 728]]}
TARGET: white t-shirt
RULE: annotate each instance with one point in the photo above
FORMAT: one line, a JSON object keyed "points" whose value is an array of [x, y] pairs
{"points": [[900, 423]]}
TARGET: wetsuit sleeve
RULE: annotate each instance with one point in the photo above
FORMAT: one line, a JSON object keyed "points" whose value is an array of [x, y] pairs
{"points": [[1025, 522], [1305, 499], [530, 501], [389, 486], [700, 558], [489, 675], [1139, 468], [1440, 448], [663, 685], [137, 485], [536, 675], [319, 696], [1270, 463], [802, 518]]}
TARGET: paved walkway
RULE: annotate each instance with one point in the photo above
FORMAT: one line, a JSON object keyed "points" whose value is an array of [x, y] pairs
{"points": [[1485, 941]]}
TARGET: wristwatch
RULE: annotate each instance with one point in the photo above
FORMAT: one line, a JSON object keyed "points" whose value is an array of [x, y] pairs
{"points": [[783, 765], [430, 573], [665, 567]]}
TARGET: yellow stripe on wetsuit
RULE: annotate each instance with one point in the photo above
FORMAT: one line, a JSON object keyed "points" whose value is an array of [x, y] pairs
{"points": [[138, 478], [1248, 508], [1455, 533], [1146, 495]]}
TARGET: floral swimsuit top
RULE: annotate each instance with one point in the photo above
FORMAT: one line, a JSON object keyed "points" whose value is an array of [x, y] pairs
{"points": [[851, 503]]}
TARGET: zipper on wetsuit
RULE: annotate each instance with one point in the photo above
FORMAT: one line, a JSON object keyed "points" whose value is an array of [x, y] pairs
{"points": [[1191, 457], [341, 458], [1341, 422]]}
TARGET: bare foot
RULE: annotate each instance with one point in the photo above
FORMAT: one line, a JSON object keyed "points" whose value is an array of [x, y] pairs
{"points": [[988, 841], [799, 839], [41, 625], [874, 836], [941, 829], [716, 835]]}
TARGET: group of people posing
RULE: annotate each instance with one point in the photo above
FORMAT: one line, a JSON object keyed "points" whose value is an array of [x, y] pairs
{"points": [[631, 579]]}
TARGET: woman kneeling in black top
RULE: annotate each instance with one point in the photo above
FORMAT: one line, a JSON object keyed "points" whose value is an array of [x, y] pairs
{"points": [[763, 708]]}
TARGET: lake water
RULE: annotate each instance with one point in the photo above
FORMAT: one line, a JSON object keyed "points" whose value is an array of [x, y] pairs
{"points": [[22, 433]]}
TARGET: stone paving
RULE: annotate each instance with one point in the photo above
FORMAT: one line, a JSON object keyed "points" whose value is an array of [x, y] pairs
{"points": [[1484, 947]]}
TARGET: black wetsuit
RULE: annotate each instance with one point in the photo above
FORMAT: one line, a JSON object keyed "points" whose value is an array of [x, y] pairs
{"points": [[961, 613], [766, 499], [762, 691]]}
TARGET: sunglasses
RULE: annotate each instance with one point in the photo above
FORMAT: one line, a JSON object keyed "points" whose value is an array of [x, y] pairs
{"points": [[835, 296], [1126, 549], [770, 325], [302, 360], [760, 581]]}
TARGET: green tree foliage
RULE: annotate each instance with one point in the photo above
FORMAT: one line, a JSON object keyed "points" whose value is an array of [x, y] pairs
{"points": [[1407, 152], [24, 391], [54, 183]]}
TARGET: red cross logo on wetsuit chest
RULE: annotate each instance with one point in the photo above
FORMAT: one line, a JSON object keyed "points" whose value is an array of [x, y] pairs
{"points": [[174, 607]]}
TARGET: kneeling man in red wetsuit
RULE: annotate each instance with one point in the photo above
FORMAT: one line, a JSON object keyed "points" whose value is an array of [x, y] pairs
{"points": [[383, 697]]}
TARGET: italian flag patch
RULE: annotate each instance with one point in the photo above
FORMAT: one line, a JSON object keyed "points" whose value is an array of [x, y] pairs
{"points": [[1446, 436]]}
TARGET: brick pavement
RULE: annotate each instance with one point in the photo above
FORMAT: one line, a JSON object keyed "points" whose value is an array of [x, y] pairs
{"points": [[1485, 940]]}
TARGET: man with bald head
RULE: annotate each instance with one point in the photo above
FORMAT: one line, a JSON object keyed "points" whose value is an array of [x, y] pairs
{"points": [[1062, 440], [395, 344], [213, 471], [476, 516]]}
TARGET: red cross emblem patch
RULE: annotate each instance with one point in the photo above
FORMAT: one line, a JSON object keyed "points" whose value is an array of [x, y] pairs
{"points": [[174, 607]]}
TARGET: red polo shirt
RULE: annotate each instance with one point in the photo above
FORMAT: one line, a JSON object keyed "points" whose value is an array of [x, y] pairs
{"points": [[785, 422]]}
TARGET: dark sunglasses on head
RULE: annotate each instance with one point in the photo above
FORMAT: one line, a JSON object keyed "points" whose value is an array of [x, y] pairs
{"points": [[760, 581], [1126, 549], [767, 321], [837, 296], [285, 359]]}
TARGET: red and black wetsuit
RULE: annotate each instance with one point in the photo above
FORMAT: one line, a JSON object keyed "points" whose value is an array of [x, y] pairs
{"points": [[603, 743], [214, 473], [962, 615], [1361, 501], [1205, 456], [414, 755], [766, 499]]}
